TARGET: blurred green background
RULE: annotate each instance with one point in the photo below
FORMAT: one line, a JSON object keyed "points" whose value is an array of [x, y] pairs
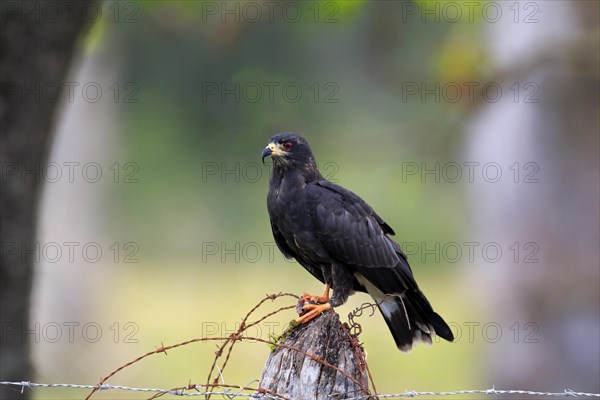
{"points": [[185, 203]]}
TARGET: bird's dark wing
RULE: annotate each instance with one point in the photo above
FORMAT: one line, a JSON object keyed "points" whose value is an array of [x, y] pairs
{"points": [[349, 229], [281, 244], [356, 237]]}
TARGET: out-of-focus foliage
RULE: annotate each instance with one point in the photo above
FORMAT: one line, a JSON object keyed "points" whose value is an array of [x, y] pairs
{"points": [[209, 88], [204, 98]]}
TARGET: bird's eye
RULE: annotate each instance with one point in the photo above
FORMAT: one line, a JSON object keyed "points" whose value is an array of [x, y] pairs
{"points": [[287, 145]]}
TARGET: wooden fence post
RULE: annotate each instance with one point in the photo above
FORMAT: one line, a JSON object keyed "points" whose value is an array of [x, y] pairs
{"points": [[317, 360]]}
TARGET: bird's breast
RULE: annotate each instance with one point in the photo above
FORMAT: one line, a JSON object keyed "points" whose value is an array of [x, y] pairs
{"points": [[291, 212]]}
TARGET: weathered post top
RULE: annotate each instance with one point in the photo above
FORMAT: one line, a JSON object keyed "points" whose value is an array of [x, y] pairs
{"points": [[317, 360]]}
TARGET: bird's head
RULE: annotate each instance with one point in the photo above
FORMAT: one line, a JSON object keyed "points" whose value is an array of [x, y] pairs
{"points": [[289, 150]]}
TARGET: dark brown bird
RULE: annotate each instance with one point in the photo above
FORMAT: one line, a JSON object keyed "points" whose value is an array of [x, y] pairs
{"points": [[342, 242]]}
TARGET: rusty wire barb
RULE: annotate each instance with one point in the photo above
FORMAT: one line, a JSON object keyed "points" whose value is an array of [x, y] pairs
{"points": [[212, 385], [354, 329], [353, 326], [361, 355], [237, 336]]}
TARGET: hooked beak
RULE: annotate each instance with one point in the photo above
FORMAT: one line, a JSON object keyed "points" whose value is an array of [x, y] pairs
{"points": [[272, 150], [266, 153]]}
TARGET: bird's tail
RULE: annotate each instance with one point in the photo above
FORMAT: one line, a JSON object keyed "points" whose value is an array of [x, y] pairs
{"points": [[411, 319]]}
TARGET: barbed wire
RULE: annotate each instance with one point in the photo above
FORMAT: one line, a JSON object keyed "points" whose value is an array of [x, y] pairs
{"points": [[215, 384], [243, 391]]}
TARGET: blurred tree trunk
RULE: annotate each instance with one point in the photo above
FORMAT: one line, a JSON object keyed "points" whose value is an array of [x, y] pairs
{"points": [[545, 290], [37, 44]]}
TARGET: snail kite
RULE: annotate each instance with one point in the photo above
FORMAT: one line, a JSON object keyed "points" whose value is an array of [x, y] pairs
{"points": [[342, 242]]}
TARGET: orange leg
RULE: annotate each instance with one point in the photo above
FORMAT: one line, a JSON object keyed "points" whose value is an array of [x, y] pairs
{"points": [[324, 298], [316, 305]]}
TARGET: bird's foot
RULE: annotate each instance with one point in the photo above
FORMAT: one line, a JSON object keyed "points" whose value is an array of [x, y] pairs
{"points": [[311, 311], [322, 299], [309, 306]]}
